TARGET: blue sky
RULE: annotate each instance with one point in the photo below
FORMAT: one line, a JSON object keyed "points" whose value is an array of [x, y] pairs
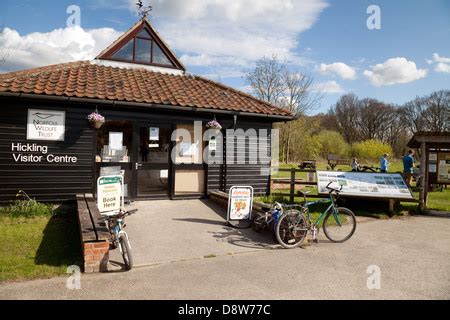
{"points": [[408, 56]]}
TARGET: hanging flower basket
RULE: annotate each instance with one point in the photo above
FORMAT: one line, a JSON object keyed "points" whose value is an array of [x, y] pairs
{"points": [[213, 124], [96, 120]]}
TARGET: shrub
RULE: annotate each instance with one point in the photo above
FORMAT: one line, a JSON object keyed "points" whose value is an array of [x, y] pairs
{"points": [[331, 142], [27, 208], [370, 149]]}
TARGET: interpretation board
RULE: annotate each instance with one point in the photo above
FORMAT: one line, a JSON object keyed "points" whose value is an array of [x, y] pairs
{"points": [[364, 184], [240, 202]]}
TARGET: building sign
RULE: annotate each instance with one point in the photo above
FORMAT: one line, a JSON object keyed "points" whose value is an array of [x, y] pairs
{"points": [[361, 184], [46, 125], [36, 153], [240, 202], [109, 193], [443, 167]]}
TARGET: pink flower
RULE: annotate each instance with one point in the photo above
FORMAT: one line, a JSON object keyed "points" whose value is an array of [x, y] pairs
{"points": [[95, 117], [213, 124]]}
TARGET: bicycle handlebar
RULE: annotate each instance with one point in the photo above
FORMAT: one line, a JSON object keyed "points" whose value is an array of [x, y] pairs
{"points": [[333, 189], [121, 214]]}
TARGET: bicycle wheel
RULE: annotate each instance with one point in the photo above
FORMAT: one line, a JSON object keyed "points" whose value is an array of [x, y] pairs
{"points": [[258, 222], [126, 251], [291, 229], [340, 226]]}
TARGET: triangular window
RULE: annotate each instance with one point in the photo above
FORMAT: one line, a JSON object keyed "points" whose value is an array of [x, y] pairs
{"points": [[126, 52], [144, 34], [142, 48], [158, 55]]}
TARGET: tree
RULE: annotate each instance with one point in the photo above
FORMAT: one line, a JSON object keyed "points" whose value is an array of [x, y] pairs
{"points": [[375, 118], [437, 115], [331, 142], [277, 83], [346, 113], [266, 80], [370, 149], [429, 113]]}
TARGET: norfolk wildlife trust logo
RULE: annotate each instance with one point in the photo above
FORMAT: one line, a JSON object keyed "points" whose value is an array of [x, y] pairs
{"points": [[46, 125]]}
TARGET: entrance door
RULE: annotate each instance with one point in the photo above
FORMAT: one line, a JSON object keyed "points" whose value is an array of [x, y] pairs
{"points": [[153, 163]]}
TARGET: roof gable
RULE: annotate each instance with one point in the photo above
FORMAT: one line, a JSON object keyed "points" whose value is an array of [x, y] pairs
{"points": [[142, 45]]}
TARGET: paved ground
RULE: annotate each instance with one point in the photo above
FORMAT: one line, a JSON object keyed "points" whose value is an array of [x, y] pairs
{"points": [[165, 231], [413, 255]]}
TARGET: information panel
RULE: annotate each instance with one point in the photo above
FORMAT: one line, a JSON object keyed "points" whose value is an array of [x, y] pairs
{"points": [[443, 167], [362, 184]]}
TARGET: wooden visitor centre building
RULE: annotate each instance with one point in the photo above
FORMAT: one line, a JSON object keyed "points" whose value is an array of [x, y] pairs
{"points": [[50, 150]]}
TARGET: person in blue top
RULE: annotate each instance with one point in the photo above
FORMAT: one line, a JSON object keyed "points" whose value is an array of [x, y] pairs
{"points": [[384, 165], [408, 166]]}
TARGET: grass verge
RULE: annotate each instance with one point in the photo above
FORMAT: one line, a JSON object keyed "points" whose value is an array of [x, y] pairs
{"points": [[38, 245]]}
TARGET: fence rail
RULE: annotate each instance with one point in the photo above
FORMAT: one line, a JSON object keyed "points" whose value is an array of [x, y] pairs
{"points": [[292, 182]]}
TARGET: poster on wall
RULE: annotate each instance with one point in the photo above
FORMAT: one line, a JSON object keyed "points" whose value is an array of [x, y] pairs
{"points": [[363, 184], [110, 192], [240, 202], [116, 140], [443, 167], [154, 134], [48, 125]]}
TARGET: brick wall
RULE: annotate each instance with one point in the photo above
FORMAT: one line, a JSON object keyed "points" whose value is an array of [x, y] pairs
{"points": [[96, 256]]}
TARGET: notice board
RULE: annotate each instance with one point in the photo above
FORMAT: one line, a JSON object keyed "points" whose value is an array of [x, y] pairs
{"points": [[365, 184]]}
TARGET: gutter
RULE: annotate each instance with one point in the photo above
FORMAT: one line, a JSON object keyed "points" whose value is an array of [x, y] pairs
{"points": [[113, 103]]}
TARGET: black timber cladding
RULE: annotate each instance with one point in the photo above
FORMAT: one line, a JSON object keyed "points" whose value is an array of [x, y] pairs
{"points": [[62, 181], [45, 181]]}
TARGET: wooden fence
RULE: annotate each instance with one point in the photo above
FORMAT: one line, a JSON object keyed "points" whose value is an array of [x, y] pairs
{"points": [[293, 181]]}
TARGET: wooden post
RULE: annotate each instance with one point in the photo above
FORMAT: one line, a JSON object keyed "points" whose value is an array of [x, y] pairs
{"points": [[292, 193], [423, 177]]}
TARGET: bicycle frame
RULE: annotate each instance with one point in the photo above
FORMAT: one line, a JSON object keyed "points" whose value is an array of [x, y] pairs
{"points": [[116, 228], [332, 206]]}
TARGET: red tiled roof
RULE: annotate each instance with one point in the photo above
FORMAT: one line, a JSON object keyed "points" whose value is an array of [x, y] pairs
{"points": [[87, 80]]}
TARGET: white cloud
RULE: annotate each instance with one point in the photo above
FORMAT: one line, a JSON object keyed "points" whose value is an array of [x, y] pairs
{"points": [[60, 45], [442, 63], [234, 33], [443, 67], [220, 34], [394, 71], [338, 68], [329, 87]]}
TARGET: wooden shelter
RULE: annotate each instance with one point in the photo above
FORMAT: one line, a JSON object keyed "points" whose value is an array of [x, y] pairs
{"points": [[434, 152]]}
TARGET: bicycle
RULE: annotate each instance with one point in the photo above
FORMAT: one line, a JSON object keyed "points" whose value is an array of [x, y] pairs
{"points": [[339, 223], [268, 220], [119, 238]]}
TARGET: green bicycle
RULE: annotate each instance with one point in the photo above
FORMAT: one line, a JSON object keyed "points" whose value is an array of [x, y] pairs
{"points": [[339, 224]]}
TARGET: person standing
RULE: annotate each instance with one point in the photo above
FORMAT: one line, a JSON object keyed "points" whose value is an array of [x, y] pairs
{"points": [[408, 167], [384, 165]]}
